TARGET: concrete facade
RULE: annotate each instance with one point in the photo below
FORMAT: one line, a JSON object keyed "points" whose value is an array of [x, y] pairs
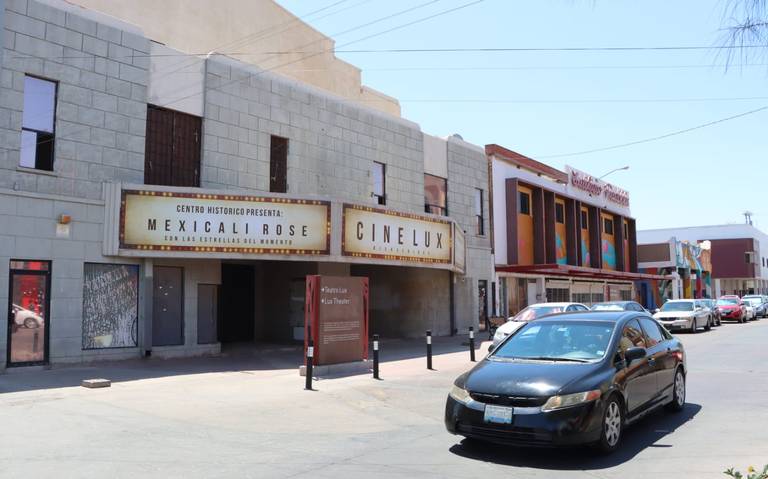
{"points": [[106, 78]]}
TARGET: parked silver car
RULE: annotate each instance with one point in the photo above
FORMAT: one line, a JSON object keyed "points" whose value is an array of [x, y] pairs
{"points": [[532, 312], [684, 314]]}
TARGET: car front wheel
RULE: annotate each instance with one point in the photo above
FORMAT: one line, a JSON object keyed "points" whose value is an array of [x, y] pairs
{"points": [[613, 424], [693, 327], [708, 326]]}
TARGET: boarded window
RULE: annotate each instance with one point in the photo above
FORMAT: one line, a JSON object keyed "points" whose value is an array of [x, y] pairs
{"points": [[110, 306], [435, 195], [278, 165], [38, 124], [172, 148], [584, 220], [608, 226]]}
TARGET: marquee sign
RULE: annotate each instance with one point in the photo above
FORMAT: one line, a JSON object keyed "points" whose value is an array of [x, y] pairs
{"points": [[170, 221], [376, 233], [595, 187]]}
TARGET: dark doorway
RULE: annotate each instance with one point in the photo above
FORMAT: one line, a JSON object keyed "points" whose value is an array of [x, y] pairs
{"points": [[237, 303]]}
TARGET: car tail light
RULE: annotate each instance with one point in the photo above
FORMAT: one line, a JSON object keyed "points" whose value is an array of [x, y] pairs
{"points": [[678, 355]]}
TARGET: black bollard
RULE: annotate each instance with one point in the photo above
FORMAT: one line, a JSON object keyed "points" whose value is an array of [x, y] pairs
{"points": [[429, 349], [35, 338], [376, 356], [308, 371], [472, 344]]}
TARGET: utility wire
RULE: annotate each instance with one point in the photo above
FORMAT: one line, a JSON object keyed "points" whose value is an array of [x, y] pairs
{"points": [[580, 101], [559, 49], [655, 138]]}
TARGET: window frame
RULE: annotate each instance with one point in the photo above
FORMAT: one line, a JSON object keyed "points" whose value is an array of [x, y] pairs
{"points": [[584, 217], [382, 198], [559, 213], [442, 210], [606, 222], [284, 148], [479, 218], [50, 137], [527, 196], [642, 320]]}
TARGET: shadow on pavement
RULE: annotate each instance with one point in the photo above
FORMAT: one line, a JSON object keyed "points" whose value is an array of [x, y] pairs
{"points": [[247, 358], [649, 432]]}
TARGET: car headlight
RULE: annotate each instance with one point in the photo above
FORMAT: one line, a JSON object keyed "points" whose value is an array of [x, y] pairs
{"points": [[459, 394], [568, 400]]}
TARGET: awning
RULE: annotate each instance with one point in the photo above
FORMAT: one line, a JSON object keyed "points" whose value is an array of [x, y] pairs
{"points": [[579, 272]]}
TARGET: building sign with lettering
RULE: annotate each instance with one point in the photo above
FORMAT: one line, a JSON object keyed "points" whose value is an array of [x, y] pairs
{"points": [[376, 233], [170, 221], [597, 188], [459, 250], [337, 318]]}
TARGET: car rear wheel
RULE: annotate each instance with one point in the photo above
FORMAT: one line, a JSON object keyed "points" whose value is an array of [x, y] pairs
{"points": [[678, 392], [613, 425], [30, 323]]}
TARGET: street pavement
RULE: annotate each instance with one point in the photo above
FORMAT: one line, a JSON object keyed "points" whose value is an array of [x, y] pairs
{"points": [[250, 417]]}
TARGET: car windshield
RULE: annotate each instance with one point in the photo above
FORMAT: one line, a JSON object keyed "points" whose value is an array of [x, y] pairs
{"points": [[677, 306], [568, 340], [533, 312], [753, 301], [607, 307], [727, 302]]}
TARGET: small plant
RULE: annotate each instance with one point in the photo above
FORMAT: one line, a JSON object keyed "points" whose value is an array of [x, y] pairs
{"points": [[751, 473]]}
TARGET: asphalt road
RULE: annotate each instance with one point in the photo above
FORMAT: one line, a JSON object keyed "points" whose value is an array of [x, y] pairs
{"points": [[174, 421]]}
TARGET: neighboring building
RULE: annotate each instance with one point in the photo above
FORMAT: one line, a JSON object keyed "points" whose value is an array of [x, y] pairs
{"points": [[739, 254], [688, 266], [559, 236], [152, 209], [259, 32]]}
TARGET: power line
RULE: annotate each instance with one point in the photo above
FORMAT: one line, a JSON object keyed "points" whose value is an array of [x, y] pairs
{"points": [[558, 49], [655, 138]]}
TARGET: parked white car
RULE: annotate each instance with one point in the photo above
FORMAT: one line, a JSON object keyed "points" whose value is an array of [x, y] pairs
{"points": [[26, 318], [532, 312], [684, 314]]}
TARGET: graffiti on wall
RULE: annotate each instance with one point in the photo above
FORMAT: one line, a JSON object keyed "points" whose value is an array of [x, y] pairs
{"points": [[609, 255], [562, 253], [110, 306]]}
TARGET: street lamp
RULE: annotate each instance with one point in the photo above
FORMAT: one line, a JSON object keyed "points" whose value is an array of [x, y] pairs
{"points": [[614, 171]]}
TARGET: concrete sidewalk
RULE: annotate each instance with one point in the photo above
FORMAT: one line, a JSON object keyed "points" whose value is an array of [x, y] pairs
{"points": [[259, 360]]}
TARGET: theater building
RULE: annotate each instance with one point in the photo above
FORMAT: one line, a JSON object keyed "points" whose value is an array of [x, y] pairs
{"points": [[558, 235], [164, 204]]}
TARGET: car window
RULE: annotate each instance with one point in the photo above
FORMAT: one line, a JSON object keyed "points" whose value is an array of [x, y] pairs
{"points": [[581, 308], [636, 307], [568, 340], [652, 332], [678, 306], [631, 337]]}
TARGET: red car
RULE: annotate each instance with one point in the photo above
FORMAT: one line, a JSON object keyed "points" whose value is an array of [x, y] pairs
{"points": [[731, 307]]}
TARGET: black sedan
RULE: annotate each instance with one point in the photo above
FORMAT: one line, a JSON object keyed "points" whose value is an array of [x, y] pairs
{"points": [[568, 379]]}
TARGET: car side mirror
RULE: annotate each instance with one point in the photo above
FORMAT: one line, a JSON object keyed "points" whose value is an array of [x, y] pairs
{"points": [[634, 353], [656, 310]]}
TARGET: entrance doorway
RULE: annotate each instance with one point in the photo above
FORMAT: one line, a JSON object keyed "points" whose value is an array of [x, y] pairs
{"points": [[237, 303], [28, 313]]}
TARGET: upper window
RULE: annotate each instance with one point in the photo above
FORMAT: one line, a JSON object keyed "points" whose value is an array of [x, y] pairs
{"points": [[38, 124], [626, 231], [379, 183], [172, 155], [608, 226], [435, 195], [278, 164], [584, 221], [560, 213], [479, 227], [525, 203]]}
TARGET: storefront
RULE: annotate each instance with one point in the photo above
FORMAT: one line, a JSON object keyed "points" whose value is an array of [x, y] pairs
{"points": [[559, 236]]}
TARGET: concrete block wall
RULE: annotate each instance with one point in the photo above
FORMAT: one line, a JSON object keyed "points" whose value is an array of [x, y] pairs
{"points": [[102, 71], [468, 171], [332, 142]]}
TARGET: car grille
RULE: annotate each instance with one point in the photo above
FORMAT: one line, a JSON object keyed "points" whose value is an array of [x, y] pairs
{"points": [[512, 401], [518, 435]]}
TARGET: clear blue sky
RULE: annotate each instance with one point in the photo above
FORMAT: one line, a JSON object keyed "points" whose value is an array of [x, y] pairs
{"points": [[709, 176]]}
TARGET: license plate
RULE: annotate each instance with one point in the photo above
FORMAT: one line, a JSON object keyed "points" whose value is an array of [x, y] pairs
{"points": [[498, 414]]}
